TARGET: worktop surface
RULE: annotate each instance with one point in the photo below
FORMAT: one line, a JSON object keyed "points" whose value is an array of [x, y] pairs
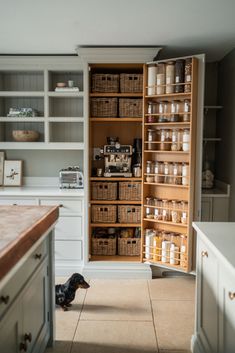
{"points": [[20, 228]]}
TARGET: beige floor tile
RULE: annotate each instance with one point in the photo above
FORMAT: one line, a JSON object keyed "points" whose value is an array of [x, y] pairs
{"points": [[117, 300], [174, 288], [114, 337], [60, 347], [174, 321]]}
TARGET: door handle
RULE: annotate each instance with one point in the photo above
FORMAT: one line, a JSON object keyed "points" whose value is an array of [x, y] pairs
{"points": [[23, 346], [28, 337], [38, 256], [204, 254], [5, 299], [231, 295]]}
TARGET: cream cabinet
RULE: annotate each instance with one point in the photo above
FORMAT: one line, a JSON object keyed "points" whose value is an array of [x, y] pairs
{"points": [[215, 302]]}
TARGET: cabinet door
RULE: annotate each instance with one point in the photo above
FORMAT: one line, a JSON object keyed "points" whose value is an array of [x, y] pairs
{"points": [[11, 329], [207, 277], [207, 209], [35, 309], [220, 209], [227, 311]]}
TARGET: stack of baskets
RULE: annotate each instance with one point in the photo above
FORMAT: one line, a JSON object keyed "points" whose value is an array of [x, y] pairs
{"points": [[111, 107]]}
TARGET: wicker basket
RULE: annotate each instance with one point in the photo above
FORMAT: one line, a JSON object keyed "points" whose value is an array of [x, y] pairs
{"points": [[129, 246], [104, 213], [130, 191], [103, 246], [129, 214], [104, 107], [105, 83], [130, 108], [131, 83], [104, 191]]}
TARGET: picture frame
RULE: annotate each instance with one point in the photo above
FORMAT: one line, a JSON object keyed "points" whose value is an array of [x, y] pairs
{"points": [[13, 172], [2, 158]]}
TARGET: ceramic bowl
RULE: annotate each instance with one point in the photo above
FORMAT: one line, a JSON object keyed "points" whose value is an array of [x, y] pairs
{"points": [[61, 84], [25, 135]]}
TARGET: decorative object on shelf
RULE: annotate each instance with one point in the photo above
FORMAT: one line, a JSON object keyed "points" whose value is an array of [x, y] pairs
{"points": [[71, 178], [13, 173], [25, 135], [22, 112], [61, 84], [2, 157], [207, 179], [61, 87]]}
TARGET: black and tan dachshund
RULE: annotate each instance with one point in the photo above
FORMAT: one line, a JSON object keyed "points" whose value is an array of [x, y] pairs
{"points": [[65, 293]]}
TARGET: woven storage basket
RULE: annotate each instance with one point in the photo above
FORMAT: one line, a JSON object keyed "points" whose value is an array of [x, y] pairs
{"points": [[103, 213], [131, 83], [129, 246], [129, 214], [130, 191], [104, 191], [104, 107], [130, 108], [103, 246], [105, 83]]}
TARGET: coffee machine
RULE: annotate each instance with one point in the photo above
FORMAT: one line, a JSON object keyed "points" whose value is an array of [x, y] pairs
{"points": [[117, 159]]}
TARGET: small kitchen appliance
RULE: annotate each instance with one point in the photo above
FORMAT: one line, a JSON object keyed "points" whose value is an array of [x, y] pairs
{"points": [[71, 178], [117, 160]]}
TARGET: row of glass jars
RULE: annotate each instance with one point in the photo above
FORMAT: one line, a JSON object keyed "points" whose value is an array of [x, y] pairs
{"points": [[168, 139], [169, 111], [167, 247], [175, 211], [167, 172], [170, 77]]}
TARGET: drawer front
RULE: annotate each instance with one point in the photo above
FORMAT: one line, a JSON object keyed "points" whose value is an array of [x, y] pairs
{"points": [[69, 250], [18, 202], [68, 228], [17, 282], [66, 206]]}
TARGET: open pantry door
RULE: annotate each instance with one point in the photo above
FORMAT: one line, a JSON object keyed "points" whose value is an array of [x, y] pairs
{"points": [[172, 149]]}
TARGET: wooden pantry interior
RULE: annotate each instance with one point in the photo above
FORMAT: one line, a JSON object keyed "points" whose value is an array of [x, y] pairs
{"points": [[142, 134]]}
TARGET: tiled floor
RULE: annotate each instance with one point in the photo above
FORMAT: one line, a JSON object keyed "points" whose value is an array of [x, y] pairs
{"points": [[128, 316]]}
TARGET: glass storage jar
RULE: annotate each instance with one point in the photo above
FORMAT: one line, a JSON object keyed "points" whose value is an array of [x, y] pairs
{"points": [[151, 137], [175, 212], [149, 167], [179, 76], [186, 115], [175, 137], [183, 250], [185, 174], [157, 244], [184, 212], [186, 140], [158, 171], [188, 75], [151, 110], [165, 140], [152, 73], [161, 78], [170, 77], [174, 117], [165, 211], [163, 110], [177, 170], [149, 234]]}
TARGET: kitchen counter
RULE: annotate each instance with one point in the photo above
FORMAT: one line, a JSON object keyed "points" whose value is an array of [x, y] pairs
{"points": [[39, 191], [20, 228]]}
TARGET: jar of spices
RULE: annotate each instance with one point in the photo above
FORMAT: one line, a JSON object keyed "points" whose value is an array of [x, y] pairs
{"points": [[188, 75], [186, 114], [184, 210], [183, 250], [175, 137], [149, 201], [179, 76], [174, 117], [152, 72], [170, 77], [163, 109], [186, 140], [158, 209], [175, 214], [151, 137], [149, 212], [151, 118], [149, 167], [165, 211], [185, 174], [157, 244], [176, 173], [158, 171], [161, 78], [165, 138], [168, 172]]}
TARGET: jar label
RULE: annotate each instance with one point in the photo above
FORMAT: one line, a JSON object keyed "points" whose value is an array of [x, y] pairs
{"points": [[175, 171], [164, 212], [166, 171], [177, 79]]}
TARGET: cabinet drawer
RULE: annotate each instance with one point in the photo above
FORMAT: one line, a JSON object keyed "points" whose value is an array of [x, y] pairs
{"points": [[68, 228], [69, 250], [17, 282], [18, 202], [66, 206]]}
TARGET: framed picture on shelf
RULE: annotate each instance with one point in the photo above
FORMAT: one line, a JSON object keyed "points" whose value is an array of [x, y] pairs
{"points": [[13, 173], [2, 157]]}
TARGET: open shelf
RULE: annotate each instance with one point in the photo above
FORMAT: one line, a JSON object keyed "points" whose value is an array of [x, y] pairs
{"points": [[126, 225], [115, 202], [115, 258], [119, 95], [170, 96], [138, 120], [164, 222], [114, 179]]}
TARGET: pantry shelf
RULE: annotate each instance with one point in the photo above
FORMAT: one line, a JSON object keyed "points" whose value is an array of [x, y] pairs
{"points": [[115, 225], [165, 222], [115, 202], [115, 120]]}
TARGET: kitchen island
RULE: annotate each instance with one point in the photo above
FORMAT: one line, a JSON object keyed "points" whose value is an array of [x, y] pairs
{"points": [[27, 278], [215, 303]]}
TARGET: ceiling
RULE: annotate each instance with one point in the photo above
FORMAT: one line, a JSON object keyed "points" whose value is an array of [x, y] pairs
{"points": [[181, 27]]}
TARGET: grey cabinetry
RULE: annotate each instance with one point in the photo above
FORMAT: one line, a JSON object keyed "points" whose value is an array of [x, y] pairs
{"points": [[206, 294], [25, 316]]}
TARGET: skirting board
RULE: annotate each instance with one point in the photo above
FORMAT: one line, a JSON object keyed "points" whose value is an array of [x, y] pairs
{"points": [[62, 270]]}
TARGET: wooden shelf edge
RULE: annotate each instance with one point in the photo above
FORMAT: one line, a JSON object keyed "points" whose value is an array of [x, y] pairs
{"points": [[165, 222], [114, 179], [119, 120], [114, 202], [115, 258], [116, 225]]}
